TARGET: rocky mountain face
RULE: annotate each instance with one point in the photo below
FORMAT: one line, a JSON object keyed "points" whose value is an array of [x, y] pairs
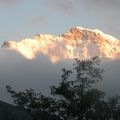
{"points": [[78, 42]]}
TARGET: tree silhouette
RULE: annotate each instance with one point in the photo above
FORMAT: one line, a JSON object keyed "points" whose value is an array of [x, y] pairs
{"points": [[74, 98]]}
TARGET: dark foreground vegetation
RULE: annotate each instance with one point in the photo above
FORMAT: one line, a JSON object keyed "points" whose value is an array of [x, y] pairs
{"points": [[11, 112], [74, 98]]}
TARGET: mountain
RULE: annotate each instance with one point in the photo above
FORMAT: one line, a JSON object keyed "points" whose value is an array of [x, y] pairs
{"points": [[78, 42], [10, 112]]}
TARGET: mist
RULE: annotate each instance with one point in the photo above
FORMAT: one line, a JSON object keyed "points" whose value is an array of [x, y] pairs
{"points": [[40, 73]]}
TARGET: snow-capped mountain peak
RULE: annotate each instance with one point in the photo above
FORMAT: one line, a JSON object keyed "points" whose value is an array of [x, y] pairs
{"points": [[76, 42]]}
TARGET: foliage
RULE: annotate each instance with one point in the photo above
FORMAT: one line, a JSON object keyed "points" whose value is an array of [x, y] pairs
{"points": [[74, 98]]}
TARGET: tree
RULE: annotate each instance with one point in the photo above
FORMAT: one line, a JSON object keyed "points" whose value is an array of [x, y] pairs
{"points": [[74, 98]]}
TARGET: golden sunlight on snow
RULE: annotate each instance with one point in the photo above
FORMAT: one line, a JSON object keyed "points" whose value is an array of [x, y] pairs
{"points": [[77, 42]]}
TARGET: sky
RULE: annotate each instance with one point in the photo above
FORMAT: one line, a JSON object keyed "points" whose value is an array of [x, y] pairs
{"points": [[21, 19]]}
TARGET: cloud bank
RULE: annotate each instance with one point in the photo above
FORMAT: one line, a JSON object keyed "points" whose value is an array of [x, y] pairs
{"points": [[40, 73]]}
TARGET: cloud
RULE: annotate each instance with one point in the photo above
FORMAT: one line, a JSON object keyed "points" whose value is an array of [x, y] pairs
{"points": [[39, 74], [113, 23], [106, 11], [109, 3], [22, 74], [66, 6], [10, 2], [38, 20]]}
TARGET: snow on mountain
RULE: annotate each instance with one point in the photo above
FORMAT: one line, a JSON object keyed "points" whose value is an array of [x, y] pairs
{"points": [[78, 42]]}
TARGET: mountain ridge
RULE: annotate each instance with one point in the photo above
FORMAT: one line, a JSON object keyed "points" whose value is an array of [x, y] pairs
{"points": [[11, 112], [77, 42]]}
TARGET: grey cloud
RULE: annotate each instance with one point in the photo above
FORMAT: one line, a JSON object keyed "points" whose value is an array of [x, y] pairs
{"points": [[108, 13], [102, 3], [10, 2], [40, 73], [21, 73], [66, 6], [38, 20], [103, 14]]}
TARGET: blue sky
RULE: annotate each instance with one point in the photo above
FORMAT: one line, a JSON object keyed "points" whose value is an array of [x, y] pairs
{"points": [[21, 19]]}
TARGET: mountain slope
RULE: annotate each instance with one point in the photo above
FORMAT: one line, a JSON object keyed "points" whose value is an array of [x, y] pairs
{"points": [[10, 112], [77, 42]]}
